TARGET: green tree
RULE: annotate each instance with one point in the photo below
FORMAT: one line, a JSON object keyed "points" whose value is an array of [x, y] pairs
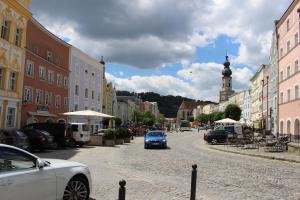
{"points": [[217, 116], [137, 116], [202, 118], [148, 118], [233, 111]]}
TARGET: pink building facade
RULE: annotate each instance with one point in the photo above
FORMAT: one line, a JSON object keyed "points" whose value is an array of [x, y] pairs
{"points": [[289, 71]]}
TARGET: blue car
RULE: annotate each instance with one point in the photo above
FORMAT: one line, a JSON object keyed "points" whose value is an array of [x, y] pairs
{"points": [[155, 139]]}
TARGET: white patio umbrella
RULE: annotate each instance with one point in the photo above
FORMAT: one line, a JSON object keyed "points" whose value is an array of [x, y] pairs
{"points": [[227, 121], [88, 113]]}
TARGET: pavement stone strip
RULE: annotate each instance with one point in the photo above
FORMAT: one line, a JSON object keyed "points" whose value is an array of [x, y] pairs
{"points": [[155, 174]]}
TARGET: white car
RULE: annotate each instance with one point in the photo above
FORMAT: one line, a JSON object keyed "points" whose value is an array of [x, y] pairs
{"points": [[27, 177]]}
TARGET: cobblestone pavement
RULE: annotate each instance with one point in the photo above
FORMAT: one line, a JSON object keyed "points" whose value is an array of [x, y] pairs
{"points": [[165, 174]]}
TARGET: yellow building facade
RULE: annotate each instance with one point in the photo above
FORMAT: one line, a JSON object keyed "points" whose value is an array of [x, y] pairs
{"points": [[14, 15], [256, 97]]}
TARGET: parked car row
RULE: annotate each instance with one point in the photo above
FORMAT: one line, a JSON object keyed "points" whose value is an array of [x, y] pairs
{"points": [[42, 136]]}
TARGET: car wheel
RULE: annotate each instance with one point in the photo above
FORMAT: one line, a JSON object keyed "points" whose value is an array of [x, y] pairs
{"points": [[214, 141], [77, 189], [145, 147]]}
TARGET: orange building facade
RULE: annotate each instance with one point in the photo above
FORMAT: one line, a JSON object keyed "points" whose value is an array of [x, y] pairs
{"points": [[46, 76]]}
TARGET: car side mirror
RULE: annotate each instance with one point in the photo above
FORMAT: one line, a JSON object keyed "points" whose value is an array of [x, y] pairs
{"points": [[40, 164]]}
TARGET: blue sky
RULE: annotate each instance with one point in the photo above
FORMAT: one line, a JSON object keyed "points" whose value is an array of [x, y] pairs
{"points": [[215, 51]]}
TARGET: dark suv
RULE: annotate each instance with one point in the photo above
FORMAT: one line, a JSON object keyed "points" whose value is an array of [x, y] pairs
{"points": [[219, 135]]}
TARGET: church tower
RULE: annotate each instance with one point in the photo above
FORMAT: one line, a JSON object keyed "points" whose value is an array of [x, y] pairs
{"points": [[226, 90]]}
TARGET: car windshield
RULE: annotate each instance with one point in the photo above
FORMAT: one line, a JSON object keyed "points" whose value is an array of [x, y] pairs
{"points": [[19, 133], [155, 134], [45, 133]]}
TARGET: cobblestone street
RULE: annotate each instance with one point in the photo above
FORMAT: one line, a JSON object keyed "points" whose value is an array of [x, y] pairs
{"points": [[165, 174]]}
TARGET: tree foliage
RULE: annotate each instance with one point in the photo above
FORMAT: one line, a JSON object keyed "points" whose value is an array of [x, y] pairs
{"points": [[205, 118], [233, 111]]}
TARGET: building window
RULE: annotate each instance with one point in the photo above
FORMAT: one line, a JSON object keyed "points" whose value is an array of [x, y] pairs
{"points": [[281, 97], [288, 71], [281, 52], [39, 97], [47, 98], [18, 38], [49, 56], [5, 29], [86, 108], [288, 25], [50, 76], [66, 102], [99, 96], [288, 46], [296, 39], [281, 76], [86, 93], [288, 95], [42, 73], [59, 80], [92, 94], [36, 49], [57, 101], [77, 90], [66, 82], [29, 68], [2, 77], [76, 107], [13, 81], [27, 95], [50, 98], [296, 92], [288, 127], [296, 66], [10, 117]]}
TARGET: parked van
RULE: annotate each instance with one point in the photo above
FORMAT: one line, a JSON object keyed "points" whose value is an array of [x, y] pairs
{"points": [[65, 134], [80, 133]]}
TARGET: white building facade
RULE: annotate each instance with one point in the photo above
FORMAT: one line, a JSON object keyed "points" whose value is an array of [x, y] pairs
{"points": [[245, 100], [85, 91]]}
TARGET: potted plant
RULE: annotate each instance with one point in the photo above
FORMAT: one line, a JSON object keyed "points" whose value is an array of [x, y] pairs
{"points": [[125, 134], [109, 137], [119, 137]]}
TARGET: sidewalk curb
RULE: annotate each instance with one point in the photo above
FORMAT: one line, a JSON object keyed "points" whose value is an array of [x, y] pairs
{"points": [[255, 155]]}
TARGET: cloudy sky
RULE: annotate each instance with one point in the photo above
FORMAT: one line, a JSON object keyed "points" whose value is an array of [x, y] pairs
{"points": [[167, 46]]}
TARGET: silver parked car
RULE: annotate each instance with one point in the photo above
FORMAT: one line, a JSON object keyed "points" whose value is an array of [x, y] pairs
{"points": [[27, 177]]}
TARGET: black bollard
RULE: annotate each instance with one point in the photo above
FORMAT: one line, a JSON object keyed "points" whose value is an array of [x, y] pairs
{"points": [[193, 182], [122, 190]]}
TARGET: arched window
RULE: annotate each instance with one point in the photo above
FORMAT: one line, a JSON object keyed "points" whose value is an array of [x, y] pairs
{"points": [[281, 127], [297, 127], [288, 127]]}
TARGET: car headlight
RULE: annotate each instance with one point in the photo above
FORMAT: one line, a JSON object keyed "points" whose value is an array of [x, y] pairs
{"points": [[164, 140], [147, 140]]}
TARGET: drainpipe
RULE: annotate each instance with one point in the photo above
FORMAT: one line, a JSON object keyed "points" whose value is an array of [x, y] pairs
{"points": [[267, 102]]}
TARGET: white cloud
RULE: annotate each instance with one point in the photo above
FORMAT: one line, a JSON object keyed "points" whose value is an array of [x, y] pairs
{"points": [[198, 80], [165, 85]]}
